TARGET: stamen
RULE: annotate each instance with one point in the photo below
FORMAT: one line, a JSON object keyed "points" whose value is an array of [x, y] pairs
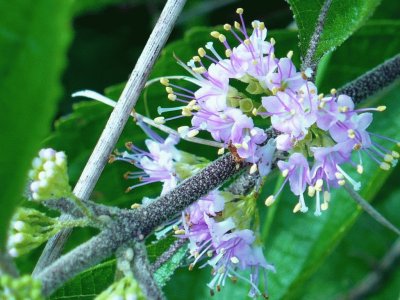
{"points": [[270, 200], [161, 110], [159, 120], [253, 169]]}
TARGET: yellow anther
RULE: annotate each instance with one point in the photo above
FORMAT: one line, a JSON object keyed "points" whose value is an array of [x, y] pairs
{"points": [[183, 130], [179, 231], [285, 172], [196, 58], [193, 133], [333, 91], [254, 111], [395, 154], [159, 120], [297, 207], [239, 11], [357, 147], [270, 200], [234, 260], [254, 24], [343, 108], [272, 41], [319, 184], [253, 169], [199, 70], [388, 158], [381, 108], [311, 191], [164, 81], [172, 97], [327, 196], [237, 25], [221, 151], [222, 38], [324, 206], [237, 145], [254, 62], [261, 26], [351, 134], [272, 55], [186, 112], [313, 91], [339, 175], [227, 27], [135, 205], [192, 103], [384, 166], [360, 169], [201, 52], [175, 227], [215, 34], [169, 90], [275, 91], [228, 53], [289, 54], [342, 182], [247, 42], [320, 96]]}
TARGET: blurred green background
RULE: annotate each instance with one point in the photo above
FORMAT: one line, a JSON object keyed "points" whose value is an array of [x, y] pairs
{"points": [[95, 44]]}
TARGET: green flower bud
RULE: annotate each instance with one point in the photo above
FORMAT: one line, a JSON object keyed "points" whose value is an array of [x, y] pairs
{"points": [[21, 288], [49, 175], [125, 289], [246, 105]]}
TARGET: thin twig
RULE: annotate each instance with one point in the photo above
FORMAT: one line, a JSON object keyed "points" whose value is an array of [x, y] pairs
{"points": [[163, 258], [139, 223], [370, 210], [308, 61], [373, 81], [117, 121], [143, 273], [7, 265], [371, 282]]}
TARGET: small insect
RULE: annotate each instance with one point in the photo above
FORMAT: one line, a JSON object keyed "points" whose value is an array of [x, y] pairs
{"points": [[233, 150]]}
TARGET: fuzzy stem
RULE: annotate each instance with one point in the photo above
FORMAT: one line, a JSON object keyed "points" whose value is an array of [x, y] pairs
{"points": [[139, 223], [163, 258], [373, 81], [370, 210], [143, 273], [308, 60], [117, 120]]}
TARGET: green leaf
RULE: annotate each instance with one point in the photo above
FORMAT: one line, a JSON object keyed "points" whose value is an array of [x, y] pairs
{"points": [[88, 284], [164, 273], [33, 41], [343, 18]]}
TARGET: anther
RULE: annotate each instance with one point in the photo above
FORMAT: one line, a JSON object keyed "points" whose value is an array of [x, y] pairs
{"points": [[193, 133], [384, 166], [247, 42], [239, 11], [201, 52], [222, 38], [172, 97], [297, 207], [270, 200], [135, 205], [272, 41], [169, 90], [324, 206], [227, 27], [237, 25], [351, 134], [253, 169], [164, 81], [381, 108], [285, 172], [228, 53], [221, 151], [215, 34], [388, 158], [333, 91], [360, 169], [395, 154], [289, 54], [159, 120]]}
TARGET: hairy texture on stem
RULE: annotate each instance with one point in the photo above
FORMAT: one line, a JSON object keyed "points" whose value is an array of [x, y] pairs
{"points": [[7, 265], [244, 183], [372, 281], [308, 60], [163, 258], [373, 81], [370, 210], [137, 224], [117, 120], [143, 273]]}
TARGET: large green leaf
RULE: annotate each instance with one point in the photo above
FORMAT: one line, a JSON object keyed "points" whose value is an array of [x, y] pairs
{"points": [[343, 18], [33, 43]]}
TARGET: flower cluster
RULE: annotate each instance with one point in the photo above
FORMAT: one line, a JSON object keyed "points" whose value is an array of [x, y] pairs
{"points": [[320, 134], [24, 287], [215, 226], [49, 175]]}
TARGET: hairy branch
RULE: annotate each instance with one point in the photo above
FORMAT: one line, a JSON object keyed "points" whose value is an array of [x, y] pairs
{"points": [[373, 81], [163, 258], [143, 273], [308, 61], [117, 120], [138, 224], [372, 281], [370, 210]]}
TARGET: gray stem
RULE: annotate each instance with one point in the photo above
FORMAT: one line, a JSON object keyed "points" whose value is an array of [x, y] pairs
{"points": [[139, 223], [143, 273], [373, 81], [372, 281], [7, 265], [370, 210], [163, 258], [117, 121], [308, 60]]}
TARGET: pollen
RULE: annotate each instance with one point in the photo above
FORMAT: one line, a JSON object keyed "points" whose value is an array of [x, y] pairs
{"points": [[193, 133], [270, 200], [179, 232], [253, 169], [222, 38], [384, 166], [164, 81], [237, 25], [228, 53], [196, 58], [159, 120], [247, 42], [333, 91], [261, 26], [342, 182], [221, 151], [201, 52], [239, 11], [324, 206], [172, 97], [227, 27], [311, 191], [215, 34], [351, 134], [381, 108], [169, 90]]}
